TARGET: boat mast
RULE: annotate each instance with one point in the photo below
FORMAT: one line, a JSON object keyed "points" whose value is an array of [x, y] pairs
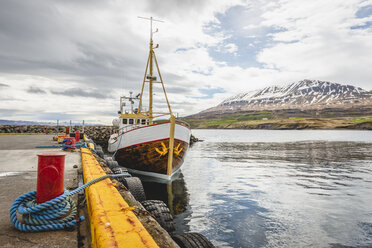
{"points": [[151, 70], [150, 78]]}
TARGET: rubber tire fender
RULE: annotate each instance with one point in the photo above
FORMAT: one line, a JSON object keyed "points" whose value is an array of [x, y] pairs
{"points": [[119, 170], [192, 240], [161, 213], [107, 158], [112, 164], [134, 185], [99, 152]]}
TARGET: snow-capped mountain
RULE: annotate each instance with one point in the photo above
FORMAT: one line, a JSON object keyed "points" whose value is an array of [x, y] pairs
{"points": [[302, 94]]}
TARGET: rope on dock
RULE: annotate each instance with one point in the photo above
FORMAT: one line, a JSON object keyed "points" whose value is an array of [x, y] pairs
{"points": [[64, 146], [56, 214]]}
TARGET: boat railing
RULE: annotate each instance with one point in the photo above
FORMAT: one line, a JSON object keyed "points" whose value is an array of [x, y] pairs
{"points": [[183, 123], [128, 128], [125, 129]]}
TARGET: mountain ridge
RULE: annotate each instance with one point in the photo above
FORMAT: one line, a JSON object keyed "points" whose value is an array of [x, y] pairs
{"points": [[304, 94]]}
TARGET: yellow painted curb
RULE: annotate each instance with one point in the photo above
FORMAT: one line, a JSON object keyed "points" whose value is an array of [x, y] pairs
{"points": [[90, 144], [28, 133], [113, 224]]}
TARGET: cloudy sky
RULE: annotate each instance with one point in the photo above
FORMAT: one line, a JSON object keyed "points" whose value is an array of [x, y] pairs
{"points": [[72, 59]]}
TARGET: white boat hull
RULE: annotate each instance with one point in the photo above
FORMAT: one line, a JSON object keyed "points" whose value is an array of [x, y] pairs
{"points": [[146, 149]]}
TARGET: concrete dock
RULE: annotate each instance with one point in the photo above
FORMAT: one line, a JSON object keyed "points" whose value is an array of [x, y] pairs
{"points": [[18, 173], [113, 218]]}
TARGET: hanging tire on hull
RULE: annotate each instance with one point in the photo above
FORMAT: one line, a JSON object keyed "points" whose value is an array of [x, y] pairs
{"points": [[161, 213], [99, 151], [107, 158], [112, 164], [192, 240], [134, 185], [119, 170]]}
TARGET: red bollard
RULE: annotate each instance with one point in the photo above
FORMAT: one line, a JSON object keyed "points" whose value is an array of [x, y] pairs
{"points": [[77, 135], [50, 176], [67, 130], [46, 131]]}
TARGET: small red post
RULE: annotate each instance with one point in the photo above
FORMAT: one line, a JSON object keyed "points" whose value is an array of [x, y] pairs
{"points": [[77, 135], [46, 131], [67, 130], [50, 176]]}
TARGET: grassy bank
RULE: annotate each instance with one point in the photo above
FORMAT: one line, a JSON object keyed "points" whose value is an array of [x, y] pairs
{"points": [[264, 120]]}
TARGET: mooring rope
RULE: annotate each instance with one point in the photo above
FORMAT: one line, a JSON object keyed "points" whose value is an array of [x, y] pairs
{"points": [[56, 214]]}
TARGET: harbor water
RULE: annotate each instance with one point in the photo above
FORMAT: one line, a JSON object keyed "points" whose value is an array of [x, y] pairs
{"points": [[275, 188]]}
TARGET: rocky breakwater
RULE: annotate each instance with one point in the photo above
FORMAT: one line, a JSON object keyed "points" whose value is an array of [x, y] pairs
{"points": [[28, 129], [100, 134]]}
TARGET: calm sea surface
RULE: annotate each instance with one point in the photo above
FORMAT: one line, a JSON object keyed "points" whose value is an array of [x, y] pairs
{"points": [[265, 188]]}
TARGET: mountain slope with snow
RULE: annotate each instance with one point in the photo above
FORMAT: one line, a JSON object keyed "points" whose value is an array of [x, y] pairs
{"points": [[305, 94]]}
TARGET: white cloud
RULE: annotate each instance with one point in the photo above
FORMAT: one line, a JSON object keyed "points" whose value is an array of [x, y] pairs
{"points": [[99, 46], [102, 46], [322, 44], [231, 48]]}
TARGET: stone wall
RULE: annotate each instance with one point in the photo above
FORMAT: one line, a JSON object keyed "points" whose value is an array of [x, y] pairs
{"points": [[28, 129], [100, 134]]}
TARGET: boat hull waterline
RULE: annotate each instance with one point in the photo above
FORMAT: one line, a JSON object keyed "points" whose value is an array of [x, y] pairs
{"points": [[145, 150]]}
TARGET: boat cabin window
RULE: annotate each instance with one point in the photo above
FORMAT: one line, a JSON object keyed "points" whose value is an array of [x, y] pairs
{"points": [[125, 121], [138, 121], [147, 122], [131, 121], [143, 121]]}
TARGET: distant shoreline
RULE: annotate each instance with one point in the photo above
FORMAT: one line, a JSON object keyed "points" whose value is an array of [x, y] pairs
{"points": [[337, 123], [364, 123]]}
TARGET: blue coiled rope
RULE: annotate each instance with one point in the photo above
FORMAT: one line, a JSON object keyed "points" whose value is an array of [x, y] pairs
{"points": [[56, 214], [64, 146]]}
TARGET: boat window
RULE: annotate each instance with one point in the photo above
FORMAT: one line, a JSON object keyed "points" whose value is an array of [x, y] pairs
{"points": [[125, 121], [131, 121], [138, 121], [143, 121], [147, 122]]}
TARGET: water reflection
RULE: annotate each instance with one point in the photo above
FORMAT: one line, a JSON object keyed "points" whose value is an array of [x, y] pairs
{"points": [[324, 165], [298, 193], [280, 194], [173, 194]]}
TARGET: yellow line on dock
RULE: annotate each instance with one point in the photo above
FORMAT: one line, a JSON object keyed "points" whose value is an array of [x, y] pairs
{"points": [[29, 133], [113, 224], [89, 142]]}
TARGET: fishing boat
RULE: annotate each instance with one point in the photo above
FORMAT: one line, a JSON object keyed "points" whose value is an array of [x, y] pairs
{"points": [[148, 142]]}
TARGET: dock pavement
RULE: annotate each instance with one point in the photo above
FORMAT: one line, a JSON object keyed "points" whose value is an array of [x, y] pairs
{"points": [[18, 175]]}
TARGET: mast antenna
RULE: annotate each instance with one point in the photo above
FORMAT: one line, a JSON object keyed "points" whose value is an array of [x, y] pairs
{"points": [[151, 20]]}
